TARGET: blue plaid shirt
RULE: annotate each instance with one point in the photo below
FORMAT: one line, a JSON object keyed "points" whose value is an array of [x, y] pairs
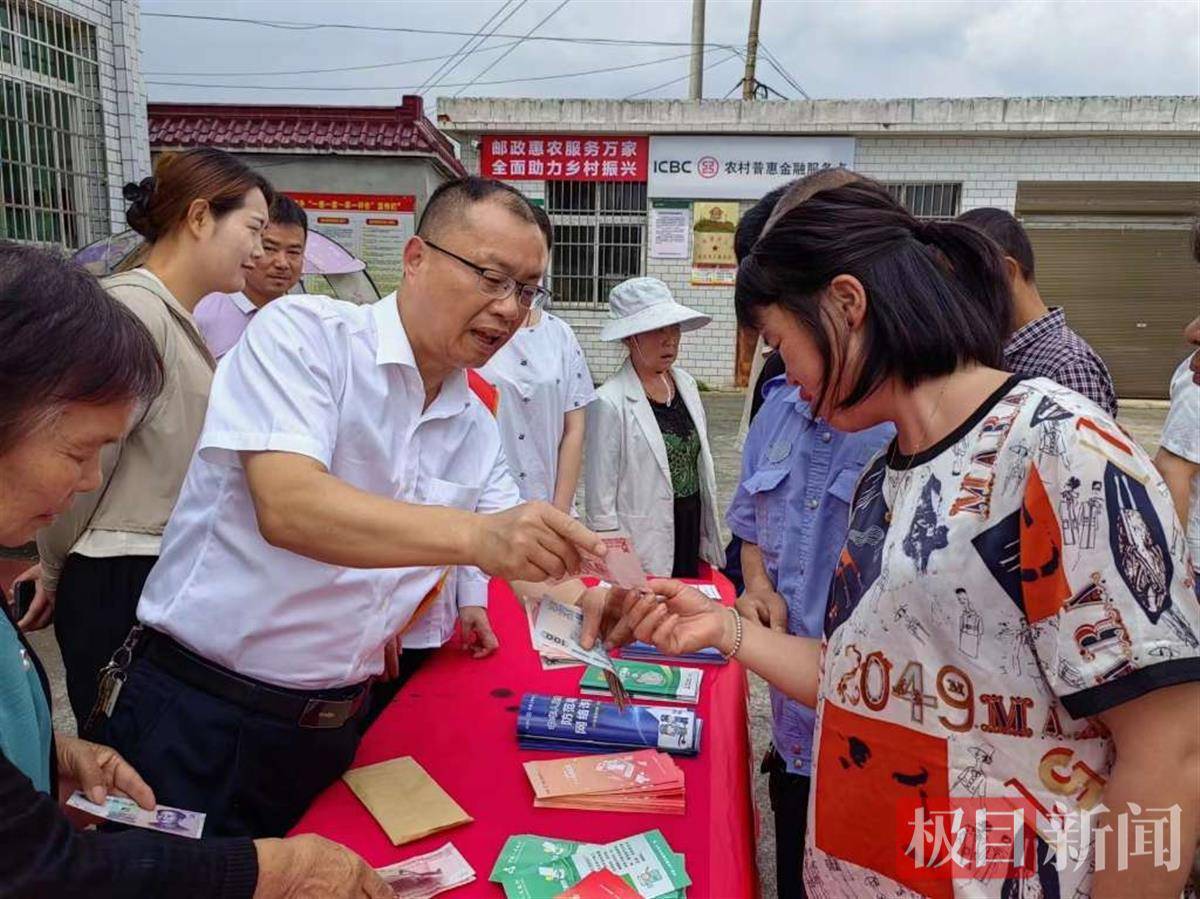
{"points": [[798, 479], [1047, 348]]}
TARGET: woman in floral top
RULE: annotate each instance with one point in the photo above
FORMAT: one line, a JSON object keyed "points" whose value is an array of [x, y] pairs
{"points": [[1010, 639]]}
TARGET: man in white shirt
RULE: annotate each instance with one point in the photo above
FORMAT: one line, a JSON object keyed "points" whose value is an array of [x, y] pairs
{"points": [[335, 492], [223, 317], [1178, 458]]}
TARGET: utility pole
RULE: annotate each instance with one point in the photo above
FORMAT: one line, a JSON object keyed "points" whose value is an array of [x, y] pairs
{"points": [[696, 82], [747, 338], [749, 85]]}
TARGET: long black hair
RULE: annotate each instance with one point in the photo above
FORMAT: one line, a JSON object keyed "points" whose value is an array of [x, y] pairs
{"points": [[937, 295], [64, 339]]}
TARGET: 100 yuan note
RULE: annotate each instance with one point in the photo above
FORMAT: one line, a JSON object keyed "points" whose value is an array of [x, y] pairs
{"points": [[560, 627], [163, 818], [427, 875]]}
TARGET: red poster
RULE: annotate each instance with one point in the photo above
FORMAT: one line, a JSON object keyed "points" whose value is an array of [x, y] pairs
{"points": [[355, 202], [565, 157]]}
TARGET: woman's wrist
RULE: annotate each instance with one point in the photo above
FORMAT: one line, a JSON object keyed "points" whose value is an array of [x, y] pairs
{"points": [[728, 643]]}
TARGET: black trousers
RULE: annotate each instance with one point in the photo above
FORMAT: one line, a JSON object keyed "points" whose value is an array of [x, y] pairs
{"points": [[383, 692], [789, 802], [96, 606], [252, 773]]}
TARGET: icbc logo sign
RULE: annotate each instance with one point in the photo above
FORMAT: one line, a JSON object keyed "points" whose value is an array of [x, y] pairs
{"points": [[708, 167]]}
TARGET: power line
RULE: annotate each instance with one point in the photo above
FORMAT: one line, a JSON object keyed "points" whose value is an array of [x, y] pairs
{"points": [[376, 65], [774, 62], [734, 53], [478, 46], [410, 88], [503, 6], [511, 49], [309, 26]]}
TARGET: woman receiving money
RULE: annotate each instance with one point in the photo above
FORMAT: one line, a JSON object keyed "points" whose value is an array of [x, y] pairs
{"points": [[57, 411], [881, 317]]}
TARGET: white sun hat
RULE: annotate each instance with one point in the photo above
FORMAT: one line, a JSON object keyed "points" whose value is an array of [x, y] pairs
{"points": [[645, 304]]}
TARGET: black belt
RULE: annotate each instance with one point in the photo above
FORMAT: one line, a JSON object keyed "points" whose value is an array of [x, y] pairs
{"points": [[305, 709]]}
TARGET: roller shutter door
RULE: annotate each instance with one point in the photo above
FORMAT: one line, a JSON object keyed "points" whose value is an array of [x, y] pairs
{"points": [[1117, 258]]}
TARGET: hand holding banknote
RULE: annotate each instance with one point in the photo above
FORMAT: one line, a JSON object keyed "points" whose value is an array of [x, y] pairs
{"points": [[531, 542], [97, 771]]}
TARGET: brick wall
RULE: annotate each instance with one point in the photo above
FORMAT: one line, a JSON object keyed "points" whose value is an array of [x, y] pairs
{"points": [[122, 90], [988, 168]]}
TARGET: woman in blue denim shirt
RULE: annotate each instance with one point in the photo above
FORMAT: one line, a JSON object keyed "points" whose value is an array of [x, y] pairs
{"points": [[791, 510]]}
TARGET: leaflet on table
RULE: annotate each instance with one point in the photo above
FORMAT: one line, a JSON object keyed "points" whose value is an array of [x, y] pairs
{"points": [[588, 725], [642, 781], [600, 885], [536, 867], [662, 682], [646, 858], [644, 652], [528, 851]]}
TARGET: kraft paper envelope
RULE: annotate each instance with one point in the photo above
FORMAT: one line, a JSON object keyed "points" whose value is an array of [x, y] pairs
{"points": [[407, 802]]}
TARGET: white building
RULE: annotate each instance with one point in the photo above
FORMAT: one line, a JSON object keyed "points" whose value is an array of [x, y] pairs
{"points": [[1105, 185], [72, 118]]}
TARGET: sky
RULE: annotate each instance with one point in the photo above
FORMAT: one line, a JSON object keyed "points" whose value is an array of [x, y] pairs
{"points": [[825, 49]]}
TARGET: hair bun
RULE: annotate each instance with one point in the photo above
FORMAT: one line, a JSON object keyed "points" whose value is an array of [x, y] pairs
{"points": [[927, 230], [137, 214]]}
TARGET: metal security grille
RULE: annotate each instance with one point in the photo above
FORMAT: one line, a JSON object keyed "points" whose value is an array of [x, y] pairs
{"points": [[929, 201], [599, 237], [52, 159]]}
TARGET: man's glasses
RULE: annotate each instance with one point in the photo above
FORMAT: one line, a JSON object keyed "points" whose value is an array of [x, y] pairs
{"points": [[497, 285]]}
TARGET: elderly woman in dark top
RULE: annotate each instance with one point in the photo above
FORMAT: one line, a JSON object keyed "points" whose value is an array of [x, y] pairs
{"points": [[76, 370]]}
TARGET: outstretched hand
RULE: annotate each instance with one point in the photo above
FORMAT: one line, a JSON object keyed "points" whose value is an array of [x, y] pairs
{"points": [[674, 618]]}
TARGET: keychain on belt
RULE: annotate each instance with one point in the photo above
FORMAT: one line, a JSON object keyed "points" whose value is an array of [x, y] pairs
{"points": [[111, 679]]}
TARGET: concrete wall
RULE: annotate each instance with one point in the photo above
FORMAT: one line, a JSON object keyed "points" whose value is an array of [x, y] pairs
{"points": [[932, 115], [122, 91], [987, 145]]}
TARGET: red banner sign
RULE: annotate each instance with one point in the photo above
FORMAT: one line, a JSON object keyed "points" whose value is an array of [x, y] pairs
{"points": [[356, 202], [565, 157]]}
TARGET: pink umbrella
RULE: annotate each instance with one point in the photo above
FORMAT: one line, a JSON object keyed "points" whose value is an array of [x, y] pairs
{"points": [[322, 256]]}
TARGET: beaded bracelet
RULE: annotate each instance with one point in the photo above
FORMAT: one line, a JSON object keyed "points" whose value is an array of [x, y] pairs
{"points": [[737, 633]]}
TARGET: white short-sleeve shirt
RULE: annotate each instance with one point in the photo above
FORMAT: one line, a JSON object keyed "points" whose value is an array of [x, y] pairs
{"points": [[1181, 436], [542, 375], [336, 382]]}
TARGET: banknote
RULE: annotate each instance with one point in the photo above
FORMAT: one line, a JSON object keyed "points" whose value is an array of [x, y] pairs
{"points": [[559, 627], [620, 564], [427, 875], [551, 658], [163, 818]]}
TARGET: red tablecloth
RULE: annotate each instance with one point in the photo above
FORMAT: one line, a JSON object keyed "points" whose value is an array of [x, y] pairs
{"points": [[457, 717]]}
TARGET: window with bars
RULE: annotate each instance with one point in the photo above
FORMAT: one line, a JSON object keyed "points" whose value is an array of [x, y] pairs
{"points": [[52, 158], [599, 237], [932, 200]]}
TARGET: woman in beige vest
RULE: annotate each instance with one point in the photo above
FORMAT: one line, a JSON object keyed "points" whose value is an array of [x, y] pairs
{"points": [[202, 215]]}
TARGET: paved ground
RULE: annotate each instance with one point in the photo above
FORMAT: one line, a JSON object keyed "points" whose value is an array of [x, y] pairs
{"points": [[1142, 420]]}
